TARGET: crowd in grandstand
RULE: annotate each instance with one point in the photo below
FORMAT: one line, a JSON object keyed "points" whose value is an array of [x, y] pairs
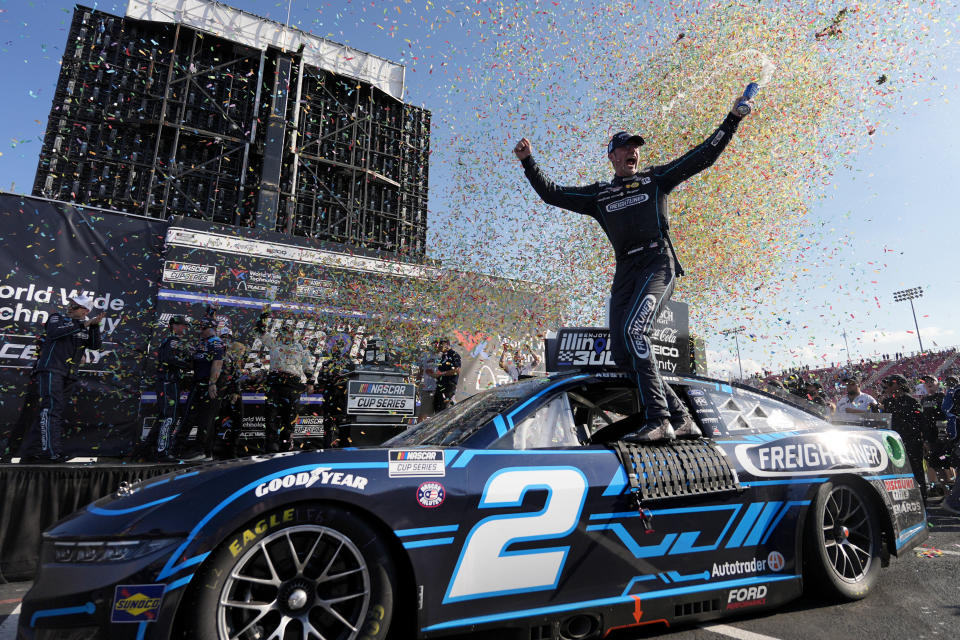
{"points": [[920, 394]]}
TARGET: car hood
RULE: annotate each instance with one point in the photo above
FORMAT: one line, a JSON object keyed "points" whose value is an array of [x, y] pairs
{"points": [[172, 504]]}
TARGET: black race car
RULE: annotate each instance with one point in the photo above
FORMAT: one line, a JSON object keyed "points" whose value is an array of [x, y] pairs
{"points": [[524, 512]]}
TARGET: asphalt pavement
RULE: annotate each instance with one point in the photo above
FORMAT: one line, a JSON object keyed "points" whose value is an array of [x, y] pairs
{"points": [[918, 598]]}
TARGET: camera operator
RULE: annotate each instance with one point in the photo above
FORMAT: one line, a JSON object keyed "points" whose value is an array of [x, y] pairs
{"points": [[291, 373], [63, 346]]}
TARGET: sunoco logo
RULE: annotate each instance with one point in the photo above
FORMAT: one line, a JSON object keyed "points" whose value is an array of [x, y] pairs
{"points": [[813, 454], [137, 603], [627, 202]]}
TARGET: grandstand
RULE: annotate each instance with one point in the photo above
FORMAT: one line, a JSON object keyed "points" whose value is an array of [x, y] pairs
{"points": [[937, 363]]}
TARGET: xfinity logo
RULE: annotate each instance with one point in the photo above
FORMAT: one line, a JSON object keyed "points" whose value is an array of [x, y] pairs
{"points": [[626, 202]]}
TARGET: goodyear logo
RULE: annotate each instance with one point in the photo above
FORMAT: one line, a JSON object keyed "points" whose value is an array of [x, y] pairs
{"points": [[137, 603]]}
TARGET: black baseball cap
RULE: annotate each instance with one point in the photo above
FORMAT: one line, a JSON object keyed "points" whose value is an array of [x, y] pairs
{"points": [[622, 138], [896, 378], [851, 377], [178, 320], [208, 323]]}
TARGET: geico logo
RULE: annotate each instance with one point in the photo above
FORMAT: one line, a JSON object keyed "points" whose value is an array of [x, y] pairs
{"points": [[249, 535], [304, 479], [670, 352], [747, 593]]}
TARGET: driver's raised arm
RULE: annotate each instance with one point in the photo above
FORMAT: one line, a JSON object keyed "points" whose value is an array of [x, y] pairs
{"points": [[576, 199]]}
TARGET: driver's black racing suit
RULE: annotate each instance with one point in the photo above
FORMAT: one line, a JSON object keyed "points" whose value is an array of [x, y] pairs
{"points": [[633, 213]]}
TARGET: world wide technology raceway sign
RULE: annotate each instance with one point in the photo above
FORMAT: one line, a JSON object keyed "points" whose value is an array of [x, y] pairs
{"points": [[48, 252]]}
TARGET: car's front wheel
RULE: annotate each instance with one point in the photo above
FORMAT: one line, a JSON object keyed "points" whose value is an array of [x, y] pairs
{"points": [[842, 542], [306, 573]]}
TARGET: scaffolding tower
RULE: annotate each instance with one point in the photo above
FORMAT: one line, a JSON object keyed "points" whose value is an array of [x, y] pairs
{"points": [[174, 116]]}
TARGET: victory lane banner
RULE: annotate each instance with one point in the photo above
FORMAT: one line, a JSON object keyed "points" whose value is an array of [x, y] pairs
{"points": [[50, 251]]}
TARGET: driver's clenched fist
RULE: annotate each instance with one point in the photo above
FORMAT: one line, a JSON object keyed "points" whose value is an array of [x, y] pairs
{"points": [[523, 149]]}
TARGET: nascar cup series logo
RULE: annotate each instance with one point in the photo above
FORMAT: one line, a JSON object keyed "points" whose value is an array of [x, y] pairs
{"points": [[813, 454]]}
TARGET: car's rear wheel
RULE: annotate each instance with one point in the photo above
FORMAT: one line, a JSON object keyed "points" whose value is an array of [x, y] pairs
{"points": [[316, 573], [843, 542]]}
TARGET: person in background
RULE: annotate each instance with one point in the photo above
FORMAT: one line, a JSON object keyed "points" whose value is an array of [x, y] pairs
{"points": [[855, 401], [332, 381], [173, 359], [447, 375], [230, 418], [291, 373], [938, 447], [427, 381], [951, 406], [203, 402], [65, 341], [519, 367], [906, 418]]}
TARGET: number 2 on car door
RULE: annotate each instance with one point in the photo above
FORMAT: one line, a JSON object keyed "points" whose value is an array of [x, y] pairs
{"points": [[486, 567]]}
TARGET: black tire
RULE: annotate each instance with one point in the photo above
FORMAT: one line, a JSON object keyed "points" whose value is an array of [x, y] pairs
{"points": [[842, 542], [292, 569]]}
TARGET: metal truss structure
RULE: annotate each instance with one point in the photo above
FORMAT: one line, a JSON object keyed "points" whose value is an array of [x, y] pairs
{"points": [[163, 118]]}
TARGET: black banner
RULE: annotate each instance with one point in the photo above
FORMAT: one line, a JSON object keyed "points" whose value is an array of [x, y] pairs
{"points": [[48, 252], [589, 347], [671, 338]]}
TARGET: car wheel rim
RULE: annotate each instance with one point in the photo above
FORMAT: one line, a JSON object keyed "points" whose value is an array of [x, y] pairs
{"points": [[847, 534], [306, 582]]}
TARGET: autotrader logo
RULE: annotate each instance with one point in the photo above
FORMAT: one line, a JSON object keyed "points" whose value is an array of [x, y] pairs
{"points": [[775, 561]]}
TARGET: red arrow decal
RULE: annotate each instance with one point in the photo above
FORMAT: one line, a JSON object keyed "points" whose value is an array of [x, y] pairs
{"points": [[637, 610]]}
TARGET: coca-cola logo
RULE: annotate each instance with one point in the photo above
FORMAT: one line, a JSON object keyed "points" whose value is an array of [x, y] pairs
{"points": [[666, 335]]}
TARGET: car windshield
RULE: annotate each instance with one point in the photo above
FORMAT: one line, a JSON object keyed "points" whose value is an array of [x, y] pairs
{"points": [[453, 426]]}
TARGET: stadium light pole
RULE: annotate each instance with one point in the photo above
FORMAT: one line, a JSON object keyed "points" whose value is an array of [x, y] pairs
{"points": [[910, 295], [735, 332], [846, 345]]}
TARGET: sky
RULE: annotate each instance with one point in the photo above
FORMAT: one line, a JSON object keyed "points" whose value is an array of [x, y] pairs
{"points": [[883, 219]]}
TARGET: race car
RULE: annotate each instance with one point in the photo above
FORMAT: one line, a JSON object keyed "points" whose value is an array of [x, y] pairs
{"points": [[525, 512]]}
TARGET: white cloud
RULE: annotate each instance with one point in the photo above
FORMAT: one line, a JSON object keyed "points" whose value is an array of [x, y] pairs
{"points": [[906, 340], [723, 365]]}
